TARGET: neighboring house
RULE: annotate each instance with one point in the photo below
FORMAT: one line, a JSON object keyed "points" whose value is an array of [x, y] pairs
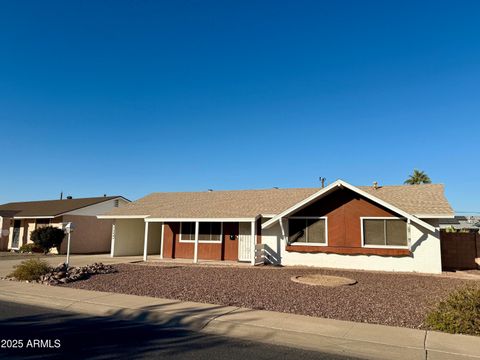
{"points": [[19, 219], [465, 223], [390, 228]]}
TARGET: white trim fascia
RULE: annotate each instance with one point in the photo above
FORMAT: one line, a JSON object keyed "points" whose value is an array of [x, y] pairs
{"points": [[199, 219], [432, 216], [300, 204], [122, 216], [341, 183], [268, 215], [34, 217], [381, 246]]}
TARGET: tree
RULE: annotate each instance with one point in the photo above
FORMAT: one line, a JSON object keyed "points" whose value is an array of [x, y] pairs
{"points": [[418, 177], [47, 237]]}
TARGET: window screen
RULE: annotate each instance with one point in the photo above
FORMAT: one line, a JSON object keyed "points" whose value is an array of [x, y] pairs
{"points": [[385, 232], [209, 231], [304, 230], [187, 231]]}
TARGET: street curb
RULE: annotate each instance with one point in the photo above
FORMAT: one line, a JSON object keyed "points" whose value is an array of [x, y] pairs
{"points": [[326, 335]]}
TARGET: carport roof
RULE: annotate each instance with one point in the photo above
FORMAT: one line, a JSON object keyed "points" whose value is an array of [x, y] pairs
{"points": [[49, 208], [420, 200]]}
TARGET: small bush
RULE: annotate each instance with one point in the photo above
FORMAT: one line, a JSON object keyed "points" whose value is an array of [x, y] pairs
{"points": [[31, 270], [459, 313], [47, 237], [30, 248]]}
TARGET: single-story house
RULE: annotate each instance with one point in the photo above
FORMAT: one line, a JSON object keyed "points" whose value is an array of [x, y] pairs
{"points": [[390, 228], [19, 219]]}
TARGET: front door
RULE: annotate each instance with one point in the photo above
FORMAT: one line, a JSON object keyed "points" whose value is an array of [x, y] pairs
{"points": [[16, 234], [245, 242]]}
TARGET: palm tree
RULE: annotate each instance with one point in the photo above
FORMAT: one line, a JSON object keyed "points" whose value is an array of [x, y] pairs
{"points": [[418, 177]]}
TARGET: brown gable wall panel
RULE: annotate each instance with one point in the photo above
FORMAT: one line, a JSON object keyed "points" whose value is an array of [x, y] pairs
{"points": [[343, 210]]}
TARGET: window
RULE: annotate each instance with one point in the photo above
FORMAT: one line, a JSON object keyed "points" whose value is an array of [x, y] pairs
{"points": [[207, 232], [385, 232], [40, 223], [305, 231]]}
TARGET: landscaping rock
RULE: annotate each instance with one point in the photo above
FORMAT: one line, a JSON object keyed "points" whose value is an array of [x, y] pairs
{"points": [[61, 274], [395, 299]]}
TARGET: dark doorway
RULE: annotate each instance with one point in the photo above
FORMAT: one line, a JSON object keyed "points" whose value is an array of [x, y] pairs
{"points": [[16, 234]]}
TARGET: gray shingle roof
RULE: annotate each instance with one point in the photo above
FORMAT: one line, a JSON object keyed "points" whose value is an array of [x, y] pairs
{"points": [[414, 199], [49, 207]]}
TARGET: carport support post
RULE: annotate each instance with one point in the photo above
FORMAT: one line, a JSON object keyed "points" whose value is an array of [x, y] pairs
{"points": [[253, 242], [145, 242], [195, 250], [112, 249], [161, 240]]}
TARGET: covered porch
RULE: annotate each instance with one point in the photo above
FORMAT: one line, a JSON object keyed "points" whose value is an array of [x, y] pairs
{"points": [[192, 240]]}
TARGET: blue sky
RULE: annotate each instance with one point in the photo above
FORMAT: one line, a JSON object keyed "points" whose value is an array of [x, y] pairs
{"points": [[130, 97]]}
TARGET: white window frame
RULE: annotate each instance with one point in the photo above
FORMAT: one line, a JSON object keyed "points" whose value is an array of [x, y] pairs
{"points": [[306, 218], [383, 218], [201, 241]]}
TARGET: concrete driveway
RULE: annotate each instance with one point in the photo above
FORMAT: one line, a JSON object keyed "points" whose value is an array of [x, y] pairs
{"points": [[8, 262]]}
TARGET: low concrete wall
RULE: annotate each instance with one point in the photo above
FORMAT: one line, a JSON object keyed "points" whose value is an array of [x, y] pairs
{"points": [[129, 237]]}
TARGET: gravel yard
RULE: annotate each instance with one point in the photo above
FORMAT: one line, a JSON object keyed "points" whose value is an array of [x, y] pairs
{"points": [[380, 298]]}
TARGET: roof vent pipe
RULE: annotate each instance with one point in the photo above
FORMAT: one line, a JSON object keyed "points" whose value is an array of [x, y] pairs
{"points": [[210, 190], [322, 180], [375, 185]]}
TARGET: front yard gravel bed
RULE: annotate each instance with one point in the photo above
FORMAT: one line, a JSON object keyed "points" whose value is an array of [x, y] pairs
{"points": [[379, 298]]}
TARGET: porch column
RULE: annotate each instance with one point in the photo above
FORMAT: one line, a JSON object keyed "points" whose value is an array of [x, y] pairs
{"points": [[145, 242], [112, 245], [253, 231], [161, 240], [409, 237], [195, 250]]}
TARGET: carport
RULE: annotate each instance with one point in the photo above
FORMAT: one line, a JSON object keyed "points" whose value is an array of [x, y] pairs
{"points": [[128, 237]]}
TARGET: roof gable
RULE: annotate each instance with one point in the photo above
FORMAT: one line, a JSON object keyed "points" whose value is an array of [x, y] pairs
{"points": [[50, 208], [342, 184]]}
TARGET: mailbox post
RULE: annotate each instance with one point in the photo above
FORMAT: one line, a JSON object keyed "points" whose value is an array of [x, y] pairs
{"points": [[68, 229]]}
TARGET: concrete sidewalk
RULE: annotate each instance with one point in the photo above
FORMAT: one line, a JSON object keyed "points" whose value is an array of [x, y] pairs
{"points": [[332, 336]]}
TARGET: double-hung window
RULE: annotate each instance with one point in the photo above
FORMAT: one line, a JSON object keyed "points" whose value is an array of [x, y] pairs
{"points": [[382, 232], [307, 231]]}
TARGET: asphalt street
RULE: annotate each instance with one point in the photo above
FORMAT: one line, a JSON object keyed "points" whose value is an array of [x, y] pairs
{"points": [[30, 332]]}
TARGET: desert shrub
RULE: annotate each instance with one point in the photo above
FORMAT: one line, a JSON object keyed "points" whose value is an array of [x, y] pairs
{"points": [[30, 248], [31, 269], [459, 313], [47, 237]]}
